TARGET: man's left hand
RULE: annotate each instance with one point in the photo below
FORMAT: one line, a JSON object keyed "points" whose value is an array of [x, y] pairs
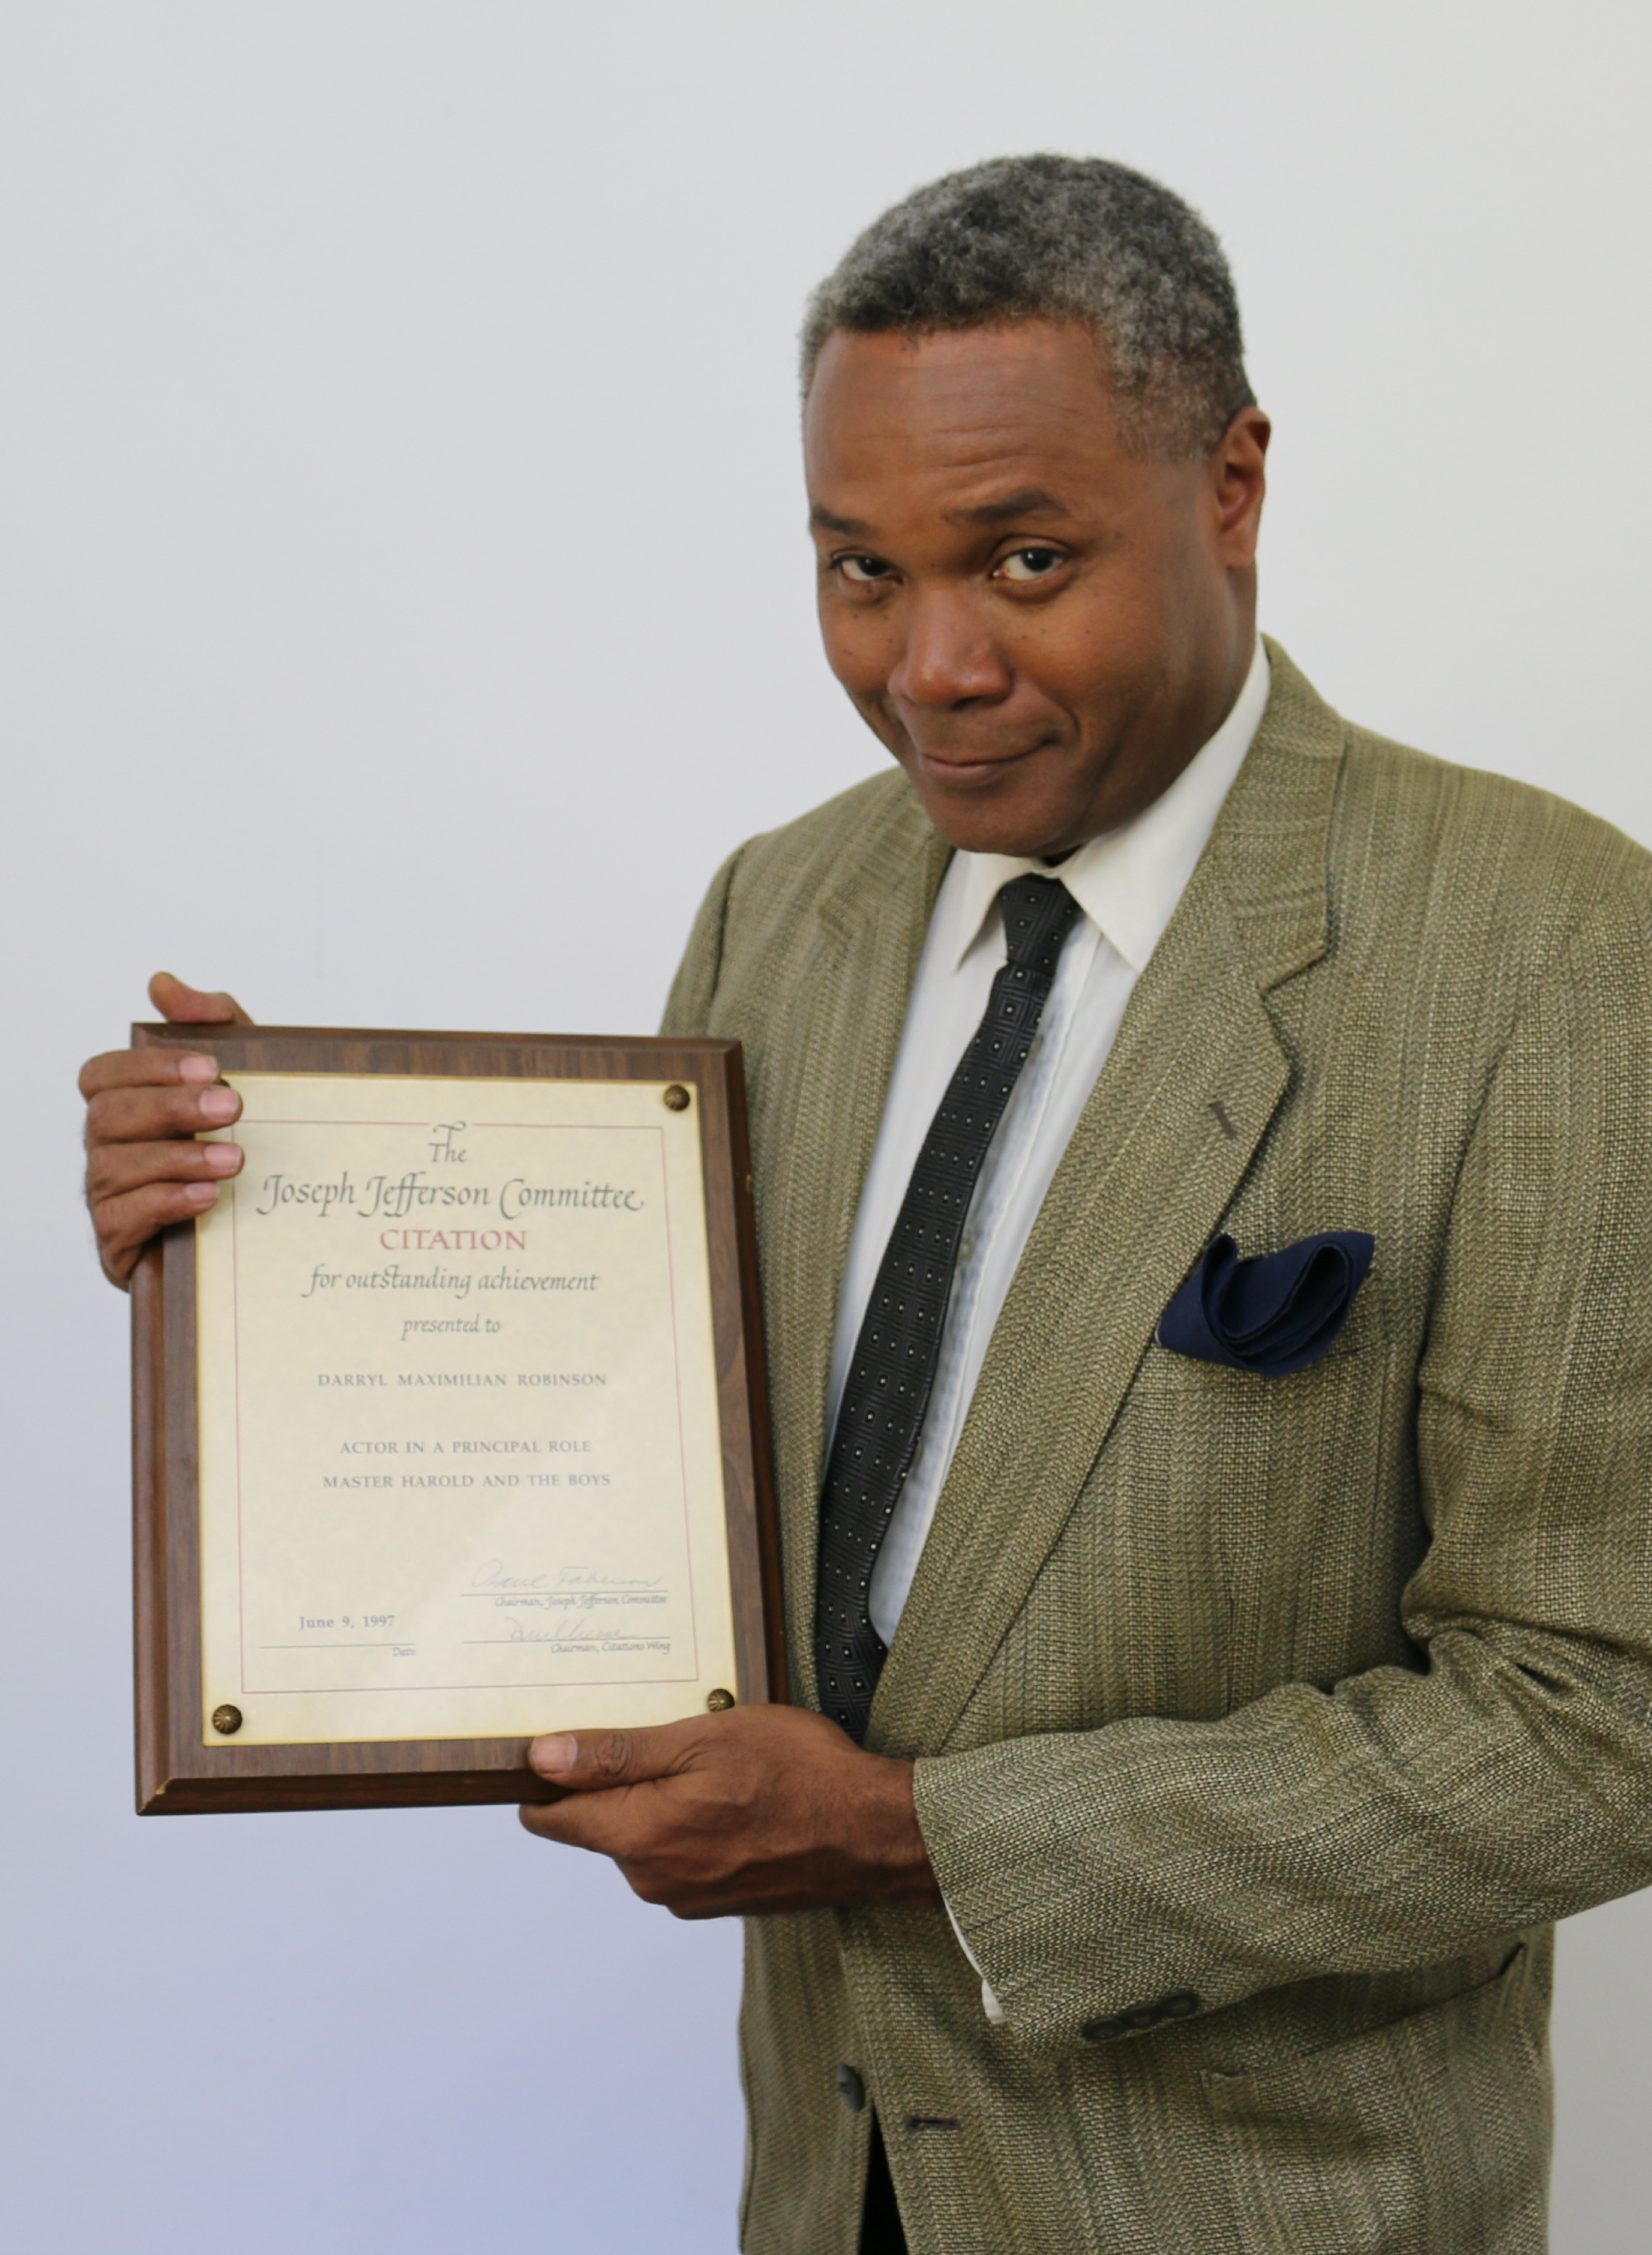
{"points": [[765, 1808]]}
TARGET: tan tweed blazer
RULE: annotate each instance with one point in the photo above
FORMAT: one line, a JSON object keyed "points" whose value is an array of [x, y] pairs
{"points": [[1310, 1701]]}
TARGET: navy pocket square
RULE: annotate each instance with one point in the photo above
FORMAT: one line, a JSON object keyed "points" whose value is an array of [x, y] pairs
{"points": [[1271, 1315]]}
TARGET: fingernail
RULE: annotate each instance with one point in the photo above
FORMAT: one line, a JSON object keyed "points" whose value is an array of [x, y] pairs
{"points": [[219, 1104], [222, 1158], [553, 1755], [201, 1193], [197, 1068]]}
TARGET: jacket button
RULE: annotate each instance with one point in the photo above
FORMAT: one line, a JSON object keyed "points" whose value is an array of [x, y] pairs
{"points": [[850, 2089], [1143, 2016], [1181, 2005], [1101, 2031]]}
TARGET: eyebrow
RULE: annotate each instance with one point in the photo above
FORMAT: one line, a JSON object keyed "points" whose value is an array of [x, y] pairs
{"points": [[1032, 501]]}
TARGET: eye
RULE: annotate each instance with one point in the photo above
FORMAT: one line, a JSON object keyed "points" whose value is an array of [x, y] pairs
{"points": [[864, 571], [1025, 564]]}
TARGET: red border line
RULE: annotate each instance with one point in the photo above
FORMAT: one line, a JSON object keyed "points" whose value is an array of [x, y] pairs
{"points": [[348, 1690], [682, 1445], [447, 1691], [550, 1126], [235, 1328]]}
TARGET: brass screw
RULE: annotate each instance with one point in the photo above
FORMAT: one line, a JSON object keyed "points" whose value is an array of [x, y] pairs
{"points": [[719, 1703], [226, 1719], [676, 1098]]}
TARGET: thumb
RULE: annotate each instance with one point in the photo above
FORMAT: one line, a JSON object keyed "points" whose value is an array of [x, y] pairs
{"points": [[188, 1006], [600, 1759]]}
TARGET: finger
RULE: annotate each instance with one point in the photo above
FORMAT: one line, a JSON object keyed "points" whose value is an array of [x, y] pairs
{"points": [[146, 1115], [156, 1068], [124, 1225], [190, 1006], [597, 1759], [595, 1824], [112, 1169]]}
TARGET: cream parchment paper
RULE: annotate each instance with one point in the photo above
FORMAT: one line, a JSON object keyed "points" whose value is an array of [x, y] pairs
{"points": [[460, 1464]]}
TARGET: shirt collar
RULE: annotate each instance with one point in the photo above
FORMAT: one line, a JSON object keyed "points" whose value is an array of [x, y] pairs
{"points": [[1129, 881]]}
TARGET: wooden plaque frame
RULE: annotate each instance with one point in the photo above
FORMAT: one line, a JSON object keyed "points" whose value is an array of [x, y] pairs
{"points": [[177, 1774]]}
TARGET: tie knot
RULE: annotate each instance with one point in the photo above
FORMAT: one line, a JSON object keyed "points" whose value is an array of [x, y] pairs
{"points": [[1039, 912]]}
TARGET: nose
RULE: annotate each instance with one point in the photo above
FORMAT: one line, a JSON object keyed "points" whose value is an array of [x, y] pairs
{"points": [[949, 657]]}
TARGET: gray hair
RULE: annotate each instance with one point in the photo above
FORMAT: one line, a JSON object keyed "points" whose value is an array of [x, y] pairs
{"points": [[1059, 238]]}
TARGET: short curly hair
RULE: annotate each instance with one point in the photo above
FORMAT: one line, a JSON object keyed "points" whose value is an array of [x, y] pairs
{"points": [[1059, 238]]}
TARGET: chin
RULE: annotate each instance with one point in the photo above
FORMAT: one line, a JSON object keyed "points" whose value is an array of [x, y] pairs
{"points": [[975, 827], [1018, 812]]}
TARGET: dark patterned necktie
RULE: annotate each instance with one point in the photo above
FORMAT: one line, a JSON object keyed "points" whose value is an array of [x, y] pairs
{"points": [[887, 1389]]}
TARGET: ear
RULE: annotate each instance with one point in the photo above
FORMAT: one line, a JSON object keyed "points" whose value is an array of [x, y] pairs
{"points": [[1237, 483]]}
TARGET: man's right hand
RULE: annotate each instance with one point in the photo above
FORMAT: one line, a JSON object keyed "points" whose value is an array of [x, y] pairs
{"points": [[143, 1107]]}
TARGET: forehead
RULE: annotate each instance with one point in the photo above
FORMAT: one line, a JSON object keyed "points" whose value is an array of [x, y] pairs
{"points": [[953, 416]]}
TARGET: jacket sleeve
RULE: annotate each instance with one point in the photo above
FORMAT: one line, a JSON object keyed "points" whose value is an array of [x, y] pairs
{"points": [[688, 1004], [1403, 1816]]}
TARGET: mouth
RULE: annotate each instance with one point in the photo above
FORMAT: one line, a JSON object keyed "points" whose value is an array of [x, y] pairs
{"points": [[970, 770]]}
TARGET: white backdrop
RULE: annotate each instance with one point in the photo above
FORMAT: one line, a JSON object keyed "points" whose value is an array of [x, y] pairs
{"points": [[404, 605]]}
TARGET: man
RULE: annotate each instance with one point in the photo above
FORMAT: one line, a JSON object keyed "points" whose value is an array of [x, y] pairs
{"points": [[1229, 1674]]}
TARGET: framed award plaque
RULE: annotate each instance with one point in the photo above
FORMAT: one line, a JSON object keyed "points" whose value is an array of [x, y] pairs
{"points": [[450, 1419]]}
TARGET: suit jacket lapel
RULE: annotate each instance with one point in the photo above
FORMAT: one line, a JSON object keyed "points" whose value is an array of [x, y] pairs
{"points": [[1185, 1098], [837, 1066]]}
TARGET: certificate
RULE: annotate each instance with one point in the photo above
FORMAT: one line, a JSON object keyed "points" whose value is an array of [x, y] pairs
{"points": [[450, 1424]]}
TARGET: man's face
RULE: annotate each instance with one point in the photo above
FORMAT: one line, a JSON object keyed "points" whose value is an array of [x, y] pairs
{"points": [[1042, 627]]}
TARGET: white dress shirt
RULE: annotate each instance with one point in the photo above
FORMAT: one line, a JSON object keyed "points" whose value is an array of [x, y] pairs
{"points": [[1128, 883]]}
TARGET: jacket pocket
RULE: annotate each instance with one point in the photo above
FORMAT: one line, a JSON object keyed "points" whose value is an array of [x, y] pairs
{"points": [[1426, 2135], [1290, 1499]]}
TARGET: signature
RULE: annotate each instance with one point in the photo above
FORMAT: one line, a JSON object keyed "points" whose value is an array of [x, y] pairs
{"points": [[495, 1574], [571, 1632], [586, 1578]]}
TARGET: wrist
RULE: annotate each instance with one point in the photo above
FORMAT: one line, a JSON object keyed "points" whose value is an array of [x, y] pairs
{"points": [[893, 1834]]}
